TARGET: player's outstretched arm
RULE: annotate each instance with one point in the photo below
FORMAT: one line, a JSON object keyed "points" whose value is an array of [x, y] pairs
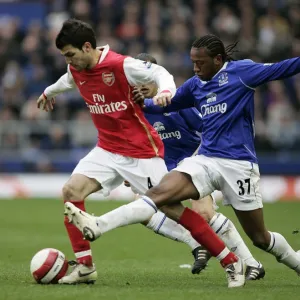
{"points": [[47, 100], [254, 74], [183, 99]]}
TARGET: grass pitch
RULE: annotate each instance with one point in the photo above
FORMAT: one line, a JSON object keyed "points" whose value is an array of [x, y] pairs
{"points": [[132, 262]]}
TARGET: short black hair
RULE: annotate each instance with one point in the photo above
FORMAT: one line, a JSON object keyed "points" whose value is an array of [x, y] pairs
{"points": [[75, 33], [215, 46], [146, 57]]}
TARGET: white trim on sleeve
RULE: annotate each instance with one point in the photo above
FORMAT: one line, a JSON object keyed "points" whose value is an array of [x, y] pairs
{"points": [[139, 72]]}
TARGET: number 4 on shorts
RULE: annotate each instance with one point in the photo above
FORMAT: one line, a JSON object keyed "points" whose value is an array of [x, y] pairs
{"points": [[149, 183], [242, 187]]}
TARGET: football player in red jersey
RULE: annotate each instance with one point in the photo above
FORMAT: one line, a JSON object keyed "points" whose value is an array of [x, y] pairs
{"points": [[128, 147]]}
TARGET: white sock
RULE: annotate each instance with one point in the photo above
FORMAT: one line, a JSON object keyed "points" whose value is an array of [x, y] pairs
{"points": [[137, 211], [226, 230], [283, 252], [166, 227]]}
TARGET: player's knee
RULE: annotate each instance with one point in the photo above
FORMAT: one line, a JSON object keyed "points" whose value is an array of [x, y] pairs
{"points": [[205, 210], [167, 186], [157, 192], [206, 215], [260, 240], [70, 193]]}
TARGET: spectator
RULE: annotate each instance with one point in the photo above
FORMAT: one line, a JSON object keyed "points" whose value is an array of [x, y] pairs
{"points": [[29, 61]]}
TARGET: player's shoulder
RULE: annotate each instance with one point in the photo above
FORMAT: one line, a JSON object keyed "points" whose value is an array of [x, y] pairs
{"points": [[193, 82], [240, 63], [116, 55], [139, 64], [110, 56]]}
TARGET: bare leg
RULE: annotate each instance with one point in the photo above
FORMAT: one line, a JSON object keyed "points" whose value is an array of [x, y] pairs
{"points": [[254, 226], [272, 242], [78, 187], [173, 188], [143, 208], [204, 207], [75, 191], [166, 227]]}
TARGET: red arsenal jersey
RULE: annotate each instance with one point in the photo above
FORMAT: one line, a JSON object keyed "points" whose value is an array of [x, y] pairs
{"points": [[122, 127], [107, 92]]}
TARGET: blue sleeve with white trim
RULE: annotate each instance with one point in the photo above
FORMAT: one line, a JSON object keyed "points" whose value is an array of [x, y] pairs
{"points": [[254, 74], [182, 99]]}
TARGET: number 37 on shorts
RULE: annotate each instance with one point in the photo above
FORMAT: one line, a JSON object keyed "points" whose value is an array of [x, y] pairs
{"points": [[244, 186], [242, 192], [238, 182]]}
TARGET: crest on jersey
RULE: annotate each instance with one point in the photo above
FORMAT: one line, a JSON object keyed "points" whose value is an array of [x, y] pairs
{"points": [[223, 78], [108, 78], [159, 126]]}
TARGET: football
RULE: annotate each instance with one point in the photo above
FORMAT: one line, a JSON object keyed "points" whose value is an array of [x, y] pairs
{"points": [[48, 266]]}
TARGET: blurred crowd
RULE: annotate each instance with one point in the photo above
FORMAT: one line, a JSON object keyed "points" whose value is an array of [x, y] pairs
{"points": [[267, 31]]}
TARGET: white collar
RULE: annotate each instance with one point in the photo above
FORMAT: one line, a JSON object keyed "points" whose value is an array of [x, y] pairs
{"points": [[223, 68], [105, 50]]}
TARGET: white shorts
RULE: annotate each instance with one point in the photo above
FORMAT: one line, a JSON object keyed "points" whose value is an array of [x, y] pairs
{"points": [[111, 169], [237, 180]]}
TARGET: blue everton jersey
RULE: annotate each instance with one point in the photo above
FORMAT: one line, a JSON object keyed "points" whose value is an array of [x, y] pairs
{"points": [[226, 104], [179, 132]]}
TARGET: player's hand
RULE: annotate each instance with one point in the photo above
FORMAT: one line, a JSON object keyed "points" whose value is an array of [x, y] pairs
{"points": [[163, 99], [45, 104], [126, 183], [138, 97]]}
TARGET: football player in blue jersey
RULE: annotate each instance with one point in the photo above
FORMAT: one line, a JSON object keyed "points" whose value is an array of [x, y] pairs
{"points": [[180, 133], [223, 91]]}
